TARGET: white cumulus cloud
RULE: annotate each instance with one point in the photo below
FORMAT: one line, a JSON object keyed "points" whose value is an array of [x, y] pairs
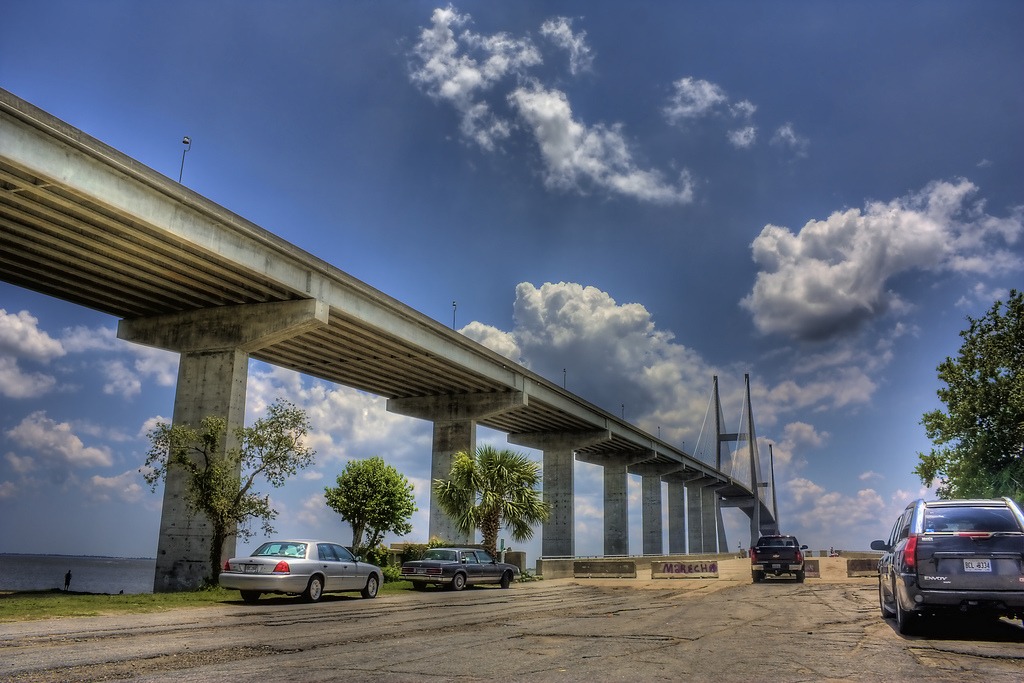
{"points": [[833, 275]]}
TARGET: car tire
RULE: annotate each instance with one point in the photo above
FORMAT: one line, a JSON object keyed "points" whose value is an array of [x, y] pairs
{"points": [[458, 581], [419, 586], [250, 596], [906, 622], [506, 580], [315, 589], [372, 586], [800, 577], [758, 577]]}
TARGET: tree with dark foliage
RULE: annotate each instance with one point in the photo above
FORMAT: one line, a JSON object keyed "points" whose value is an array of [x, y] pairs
{"points": [[979, 438]]}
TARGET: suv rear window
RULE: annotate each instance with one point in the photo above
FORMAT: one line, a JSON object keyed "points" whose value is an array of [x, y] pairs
{"points": [[957, 519]]}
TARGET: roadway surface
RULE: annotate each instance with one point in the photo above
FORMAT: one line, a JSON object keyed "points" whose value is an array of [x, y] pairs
{"points": [[564, 630]]}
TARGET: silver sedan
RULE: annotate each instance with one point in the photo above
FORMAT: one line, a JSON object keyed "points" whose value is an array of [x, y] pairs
{"points": [[300, 567]]}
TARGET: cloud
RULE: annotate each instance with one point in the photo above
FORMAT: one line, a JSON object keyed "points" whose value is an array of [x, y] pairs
{"points": [[21, 338], [496, 340], [786, 137], [559, 31], [693, 98], [613, 355], [123, 377], [743, 137], [575, 155], [56, 444], [982, 294], [125, 487], [446, 72], [831, 277], [15, 383], [345, 423], [461, 68]]}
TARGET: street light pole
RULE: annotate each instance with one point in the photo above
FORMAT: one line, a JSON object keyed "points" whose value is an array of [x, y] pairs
{"points": [[187, 141]]}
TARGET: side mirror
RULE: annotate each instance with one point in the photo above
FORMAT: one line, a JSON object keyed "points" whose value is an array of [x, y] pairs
{"points": [[880, 545], [803, 547]]}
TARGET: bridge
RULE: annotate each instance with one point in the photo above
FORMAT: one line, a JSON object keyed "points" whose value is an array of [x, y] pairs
{"points": [[85, 223]]}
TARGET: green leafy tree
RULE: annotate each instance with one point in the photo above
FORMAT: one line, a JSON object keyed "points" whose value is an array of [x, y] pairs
{"points": [[979, 438], [491, 488], [221, 484], [374, 498]]}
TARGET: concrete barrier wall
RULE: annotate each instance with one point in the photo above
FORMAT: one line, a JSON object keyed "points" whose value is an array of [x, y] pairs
{"points": [[562, 568]]}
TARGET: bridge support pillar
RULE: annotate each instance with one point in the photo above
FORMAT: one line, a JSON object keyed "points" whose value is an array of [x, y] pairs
{"points": [[701, 507], [677, 512], [616, 497], [214, 345], [711, 518], [455, 418], [676, 517], [694, 536], [651, 504], [558, 536]]}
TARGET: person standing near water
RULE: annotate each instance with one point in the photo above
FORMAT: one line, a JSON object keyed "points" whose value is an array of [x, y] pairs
{"points": [[67, 580]]}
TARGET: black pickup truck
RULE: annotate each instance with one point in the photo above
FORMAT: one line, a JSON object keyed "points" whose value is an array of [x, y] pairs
{"points": [[777, 555]]}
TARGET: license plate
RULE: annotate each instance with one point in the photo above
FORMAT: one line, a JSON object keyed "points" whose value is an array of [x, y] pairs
{"points": [[977, 565], [252, 569], [776, 566]]}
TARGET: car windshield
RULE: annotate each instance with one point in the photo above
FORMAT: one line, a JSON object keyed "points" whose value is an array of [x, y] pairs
{"points": [[280, 549], [442, 555], [960, 519]]}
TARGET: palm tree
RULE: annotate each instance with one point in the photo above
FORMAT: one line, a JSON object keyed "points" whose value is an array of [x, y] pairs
{"points": [[489, 488]]}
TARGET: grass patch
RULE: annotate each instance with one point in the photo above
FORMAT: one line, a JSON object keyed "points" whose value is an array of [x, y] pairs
{"points": [[30, 605]]}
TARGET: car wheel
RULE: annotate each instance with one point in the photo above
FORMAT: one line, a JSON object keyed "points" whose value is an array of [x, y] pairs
{"points": [[506, 579], [906, 622], [370, 589], [758, 577], [250, 596], [458, 581], [800, 577], [417, 586], [314, 590]]}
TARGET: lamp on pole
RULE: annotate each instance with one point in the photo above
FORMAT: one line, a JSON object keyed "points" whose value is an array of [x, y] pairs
{"points": [[455, 307], [187, 141]]}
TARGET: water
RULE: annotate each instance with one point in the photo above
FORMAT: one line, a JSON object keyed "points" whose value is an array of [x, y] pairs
{"points": [[88, 574]]}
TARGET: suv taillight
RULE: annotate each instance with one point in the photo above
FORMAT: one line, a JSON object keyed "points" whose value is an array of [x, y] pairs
{"points": [[910, 553], [753, 555], [799, 555]]}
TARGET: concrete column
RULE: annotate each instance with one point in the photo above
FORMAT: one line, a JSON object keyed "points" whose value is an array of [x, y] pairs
{"points": [[208, 384], [616, 509], [214, 345], [455, 418], [450, 437], [650, 509], [695, 532], [558, 533], [709, 518], [676, 516], [651, 506], [723, 542]]}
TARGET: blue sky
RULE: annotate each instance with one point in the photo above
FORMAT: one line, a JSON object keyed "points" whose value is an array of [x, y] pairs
{"points": [[641, 194]]}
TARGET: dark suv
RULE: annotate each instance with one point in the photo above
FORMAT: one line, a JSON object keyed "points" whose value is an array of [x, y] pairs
{"points": [[952, 556]]}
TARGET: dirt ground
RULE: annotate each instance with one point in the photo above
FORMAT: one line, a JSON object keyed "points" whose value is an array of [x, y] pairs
{"points": [[724, 629]]}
